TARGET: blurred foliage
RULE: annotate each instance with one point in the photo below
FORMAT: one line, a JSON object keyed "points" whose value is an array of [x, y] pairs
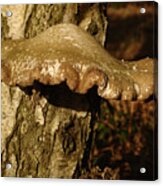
{"points": [[123, 141], [130, 33]]}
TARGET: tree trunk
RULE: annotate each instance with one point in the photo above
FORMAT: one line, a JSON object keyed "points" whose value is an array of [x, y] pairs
{"points": [[49, 133]]}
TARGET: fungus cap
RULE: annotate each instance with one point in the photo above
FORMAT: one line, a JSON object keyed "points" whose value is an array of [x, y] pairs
{"points": [[67, 53]]}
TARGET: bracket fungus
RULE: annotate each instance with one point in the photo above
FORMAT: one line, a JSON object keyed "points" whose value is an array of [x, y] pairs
{"points": [[66, 53], [62, 55]]}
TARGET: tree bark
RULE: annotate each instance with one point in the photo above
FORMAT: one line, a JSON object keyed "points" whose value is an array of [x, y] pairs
{"points": [[48, 134]]}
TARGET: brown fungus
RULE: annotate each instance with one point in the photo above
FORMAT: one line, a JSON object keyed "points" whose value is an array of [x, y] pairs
{"points": [[66, 53]]}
